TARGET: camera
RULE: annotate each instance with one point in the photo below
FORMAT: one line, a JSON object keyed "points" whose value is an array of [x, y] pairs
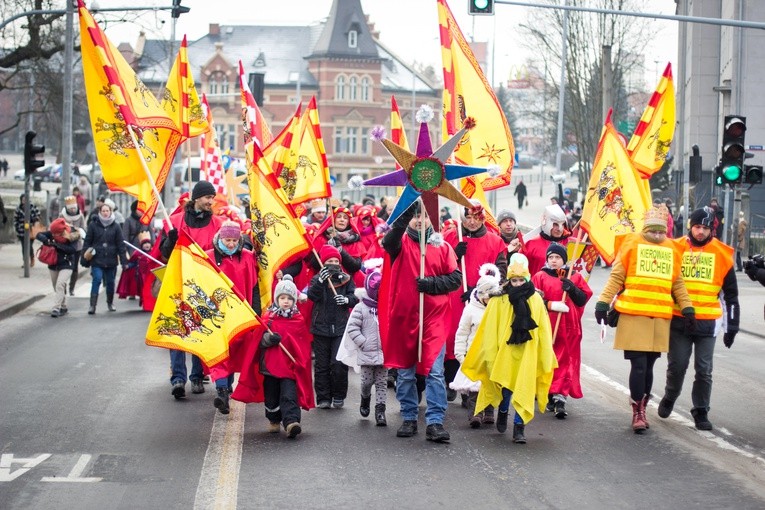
{"points": [[755, 262]]}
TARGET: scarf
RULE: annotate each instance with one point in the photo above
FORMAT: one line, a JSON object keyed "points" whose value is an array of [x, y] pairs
{"points": [[347, 236], [106, 222], [278, 310], [415, 234], [371, 303], [522, 323], [222, 247], [71, 218]]}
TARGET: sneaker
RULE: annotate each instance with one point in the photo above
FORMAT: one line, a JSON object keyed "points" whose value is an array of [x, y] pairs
{"points": [[206, 379], [196, 387], [407, 429], [560, 409], [55, 313], [665, 407], [338, 403], [550, 407], [273, 427], [501, 422], [435, 432], [293, 429], [179, 390], [324, 404], [63, 311], [451, 395]]}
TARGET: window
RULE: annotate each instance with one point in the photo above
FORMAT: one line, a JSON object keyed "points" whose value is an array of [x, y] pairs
{"points": [[224, 85], [231, 137], [212, 85], [352, 88], [353, 39], [340, 88], [365, 95], [352, 140], [339, 147]]}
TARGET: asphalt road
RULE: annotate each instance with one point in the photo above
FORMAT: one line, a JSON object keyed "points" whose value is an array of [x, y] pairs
{"points": [[88, 422]]}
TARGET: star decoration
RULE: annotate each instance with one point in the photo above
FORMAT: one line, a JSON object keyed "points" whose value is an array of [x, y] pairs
{"points": [[490, 152], [426, 173]]}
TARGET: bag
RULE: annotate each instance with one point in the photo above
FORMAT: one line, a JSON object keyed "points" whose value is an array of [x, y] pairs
{"points": [[527, 202], [47, 255], [35, 229], [88, 254]]}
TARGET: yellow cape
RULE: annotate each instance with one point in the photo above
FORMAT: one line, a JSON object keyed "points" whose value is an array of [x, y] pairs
{"points": [[525, 369]]}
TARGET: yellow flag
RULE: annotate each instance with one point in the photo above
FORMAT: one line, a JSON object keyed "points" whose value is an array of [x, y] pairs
{"points": [[467, 93], [198, 310], [277, 233], [615, 200], [653, 135], [180, 99], [119, 101]]}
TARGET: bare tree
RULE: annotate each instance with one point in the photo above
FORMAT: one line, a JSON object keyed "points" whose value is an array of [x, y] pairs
{"points": [[587, 34]]}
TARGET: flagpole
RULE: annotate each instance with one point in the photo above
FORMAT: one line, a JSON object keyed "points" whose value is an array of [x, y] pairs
{"points": [[188, 155], [160, 204], [579, 240], [423, 214], [316, 254], [143, 253]]}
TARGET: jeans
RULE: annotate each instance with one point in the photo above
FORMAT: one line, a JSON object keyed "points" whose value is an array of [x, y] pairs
{"points": [[107, 274], [330, 375], [281, 400], [504, 406], [223, 382], [435, 392], [178, 367], [678, 357]]}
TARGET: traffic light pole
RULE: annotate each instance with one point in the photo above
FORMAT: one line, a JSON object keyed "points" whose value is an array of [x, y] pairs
{"points": [[25, 247]]}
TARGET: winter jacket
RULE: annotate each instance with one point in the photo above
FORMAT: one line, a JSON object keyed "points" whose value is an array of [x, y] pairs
{"points": [[18, 218], [328, 318], [67, 254], [107, 241], [76, 221], [131, 228], [364, 330], [471, 318]]}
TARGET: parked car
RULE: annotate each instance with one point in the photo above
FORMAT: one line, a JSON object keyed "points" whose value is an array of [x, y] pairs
{"points": [[574, 169]]}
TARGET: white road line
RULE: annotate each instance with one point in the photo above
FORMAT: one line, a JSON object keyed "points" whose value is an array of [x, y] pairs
{"points": [[74, 474], [219, 480], [713, 438]]}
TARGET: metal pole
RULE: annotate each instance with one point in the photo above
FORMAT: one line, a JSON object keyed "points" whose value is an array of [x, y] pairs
{"points": [[25, 247], [680, 80], [606, 80], [66, 131], [562, 91]]}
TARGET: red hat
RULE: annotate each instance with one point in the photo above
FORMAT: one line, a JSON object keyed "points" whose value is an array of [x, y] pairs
{"points": [[58, 227], [327, 252]]}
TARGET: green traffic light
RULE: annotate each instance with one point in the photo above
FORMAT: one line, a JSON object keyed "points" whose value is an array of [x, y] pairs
{"points": [[481, 4], [731, 173]]}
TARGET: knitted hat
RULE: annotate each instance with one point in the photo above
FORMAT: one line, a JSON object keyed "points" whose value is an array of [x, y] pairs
{"points": [[230, 230], [488, 283], [327, 252], [476, 210], [110, 203], [285, 286], [372, 284], [202, 189], [518, 267], [505, 215], [656, 218], [558, 249], [58, 227], [70, 201], [704, 216]]}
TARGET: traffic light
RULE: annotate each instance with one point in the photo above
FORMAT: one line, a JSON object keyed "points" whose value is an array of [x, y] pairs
{"points": [[178, 9], [31, 163], [694, 166], [477, 7], [731, 168], [752, 174]]}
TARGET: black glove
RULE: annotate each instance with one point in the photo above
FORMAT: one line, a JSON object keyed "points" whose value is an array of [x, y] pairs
{"points": [[172, 235], [324, 274], [465, 297], [690, 320], [601, 312], [567, 285], [270, 339], [341, 300], [728, 338], [461, 249], [425, 285]]}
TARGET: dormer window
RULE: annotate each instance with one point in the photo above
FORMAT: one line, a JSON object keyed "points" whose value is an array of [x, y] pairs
{"points": [[353, 39]]}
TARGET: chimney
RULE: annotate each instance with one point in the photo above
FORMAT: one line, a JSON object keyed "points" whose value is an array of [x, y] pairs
{"points": [[140, 45], [214, 29]]}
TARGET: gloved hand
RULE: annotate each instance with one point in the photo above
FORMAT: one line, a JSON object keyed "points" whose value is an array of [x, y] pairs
{"points": [[172, 235], [601, 312], [341, 300], [270, 339], [557, 306], [324, 274], [461, 249], [728, 338], [334, 241], [690, 319], [425, 285], [567, 285], [465, 297]]}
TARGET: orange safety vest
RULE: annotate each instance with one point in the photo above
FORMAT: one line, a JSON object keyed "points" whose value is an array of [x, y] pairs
{"points": [[651, 270], [703, 270]]}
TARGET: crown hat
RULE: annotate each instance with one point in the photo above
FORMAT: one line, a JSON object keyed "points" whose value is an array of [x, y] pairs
{"points": [[518, 267], [656, 217]]}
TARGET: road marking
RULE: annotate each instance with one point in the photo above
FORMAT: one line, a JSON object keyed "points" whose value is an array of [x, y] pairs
{"points": [[74, 474], [6, 459], [718, 441], [219, 480]]}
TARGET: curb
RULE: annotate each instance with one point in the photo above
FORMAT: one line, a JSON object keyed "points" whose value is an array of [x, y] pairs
{"points": [[21, 305]]}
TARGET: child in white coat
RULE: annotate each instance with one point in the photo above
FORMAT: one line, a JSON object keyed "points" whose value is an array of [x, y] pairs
{"points": [[488, 285]]}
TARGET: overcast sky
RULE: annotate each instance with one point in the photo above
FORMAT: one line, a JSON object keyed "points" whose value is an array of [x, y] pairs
{"points": [[408, 27]]}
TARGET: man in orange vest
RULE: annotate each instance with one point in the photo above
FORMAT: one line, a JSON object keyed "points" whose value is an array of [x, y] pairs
{"points": [[707, 268]]}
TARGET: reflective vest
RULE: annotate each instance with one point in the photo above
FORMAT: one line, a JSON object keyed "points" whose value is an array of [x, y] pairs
{"points": [[651, 270], [703, 269]]}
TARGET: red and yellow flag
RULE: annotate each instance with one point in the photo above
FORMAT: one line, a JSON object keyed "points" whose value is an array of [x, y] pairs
{"points": [[119, 103], [278, 235], [180, 99], [653, 135], [198, 309], [467, 93], [211, 165], [255, 127], [397, 131], [616, 200], [301, 162]]}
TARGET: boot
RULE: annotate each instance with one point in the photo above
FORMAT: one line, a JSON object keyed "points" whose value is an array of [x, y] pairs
{"points": [[221, 400], [380, 415], [501, 422], [518, 436], [643, 407], [638, 418], [110, 301], [700, 418], [364, 407], [665, 407], [93, 302]]}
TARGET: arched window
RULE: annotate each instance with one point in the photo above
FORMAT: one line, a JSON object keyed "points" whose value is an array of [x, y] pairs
{"points": [[340, 88], [224, 84], [212, 85], [353, 39], [352, 88], [366, 95]]}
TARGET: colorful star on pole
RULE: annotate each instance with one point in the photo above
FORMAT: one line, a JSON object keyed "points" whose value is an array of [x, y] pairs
{"points": [[425, 173]]}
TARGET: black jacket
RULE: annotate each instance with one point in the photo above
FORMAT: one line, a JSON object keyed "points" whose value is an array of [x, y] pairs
{"points": [[706, 327], [107, 241], [66, 252], [328, 318]]}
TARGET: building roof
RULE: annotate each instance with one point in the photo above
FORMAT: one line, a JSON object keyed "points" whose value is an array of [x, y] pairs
{"points": [[345, 16]]}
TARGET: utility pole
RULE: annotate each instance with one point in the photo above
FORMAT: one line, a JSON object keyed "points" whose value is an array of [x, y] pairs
{"points": [[66, 131], [606, 81]]}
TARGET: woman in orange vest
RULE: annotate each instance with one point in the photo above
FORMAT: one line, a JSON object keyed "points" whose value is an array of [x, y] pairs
{"points": [[646, 281], [707, 270]]}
